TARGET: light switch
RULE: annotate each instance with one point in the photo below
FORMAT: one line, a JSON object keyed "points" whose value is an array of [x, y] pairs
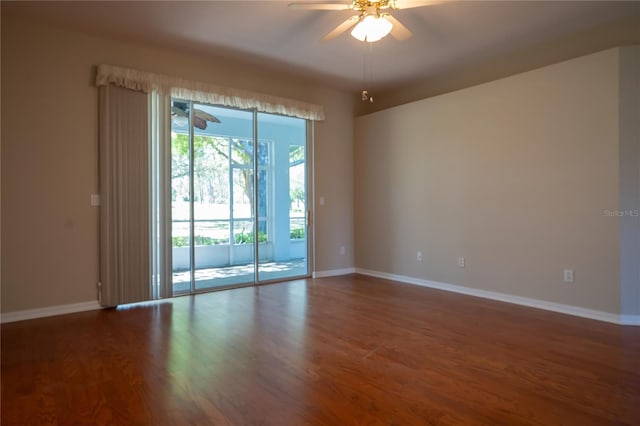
{"points": [[95, 200], [568, 275]]}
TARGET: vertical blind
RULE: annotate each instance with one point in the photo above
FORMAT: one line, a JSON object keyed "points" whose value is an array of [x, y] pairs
{"points": [[124, 188]]}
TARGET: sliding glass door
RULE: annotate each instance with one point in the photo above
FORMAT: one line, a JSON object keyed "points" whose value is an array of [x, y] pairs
{"points": [[238, 213], [282, 197]]}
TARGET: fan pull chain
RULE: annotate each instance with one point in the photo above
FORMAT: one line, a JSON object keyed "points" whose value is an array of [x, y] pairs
{"points": [[371, 66], [365, 93]]}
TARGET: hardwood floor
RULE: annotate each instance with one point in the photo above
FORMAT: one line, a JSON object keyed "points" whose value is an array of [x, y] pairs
{"points": [[333, 351]]}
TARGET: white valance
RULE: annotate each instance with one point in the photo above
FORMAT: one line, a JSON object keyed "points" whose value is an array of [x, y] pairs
{"points": [[204, 92]]}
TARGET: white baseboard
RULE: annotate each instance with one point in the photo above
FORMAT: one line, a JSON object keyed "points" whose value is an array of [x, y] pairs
{"points": [[503, 297], [630, 319], [49, 311], [518, 300], [333, 272]]}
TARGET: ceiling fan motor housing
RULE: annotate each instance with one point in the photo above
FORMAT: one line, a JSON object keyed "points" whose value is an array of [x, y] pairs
{"points": [[366, 5]]}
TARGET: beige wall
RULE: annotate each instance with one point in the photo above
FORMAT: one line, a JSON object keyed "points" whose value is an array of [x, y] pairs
{"points": [[623, 32], [513, 174], [50, 155]]}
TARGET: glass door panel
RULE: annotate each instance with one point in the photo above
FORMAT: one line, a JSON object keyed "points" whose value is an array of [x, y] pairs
{"points": [[223, 184], [212, 173], [181, 198], [282, 197]]}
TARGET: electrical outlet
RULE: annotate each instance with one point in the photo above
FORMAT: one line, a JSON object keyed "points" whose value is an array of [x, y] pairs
{"points": [[342, 250], [419, 256], [461, 262], [568, 275]]}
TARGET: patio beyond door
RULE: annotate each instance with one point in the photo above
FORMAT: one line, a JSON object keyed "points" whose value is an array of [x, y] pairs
{"points": [[239, 197]]}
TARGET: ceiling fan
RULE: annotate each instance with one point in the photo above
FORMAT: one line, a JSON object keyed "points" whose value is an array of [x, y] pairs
{"points": [[373, 20], [180, 116]]}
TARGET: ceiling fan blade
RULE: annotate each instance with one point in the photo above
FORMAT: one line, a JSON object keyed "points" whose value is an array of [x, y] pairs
{"points": [[409, 4], [341, 28], [399, 31], [321, 6]]}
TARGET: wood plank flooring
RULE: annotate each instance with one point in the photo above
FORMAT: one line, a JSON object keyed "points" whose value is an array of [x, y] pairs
{"points": [[333, 351]]}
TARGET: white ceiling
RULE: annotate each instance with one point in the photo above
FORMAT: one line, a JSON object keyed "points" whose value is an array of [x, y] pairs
{"points": [[446, 35]]}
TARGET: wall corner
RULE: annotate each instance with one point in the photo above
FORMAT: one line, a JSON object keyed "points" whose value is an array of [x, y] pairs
{"points": [[629, 178]]}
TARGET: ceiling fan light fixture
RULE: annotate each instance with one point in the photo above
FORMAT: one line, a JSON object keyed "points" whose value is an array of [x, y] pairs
{"points": [[372, 28]]}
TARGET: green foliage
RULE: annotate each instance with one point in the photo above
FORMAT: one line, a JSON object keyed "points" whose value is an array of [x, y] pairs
{"points": [[213, 157], [297, 233], [296, 155], [296, 195], [199, 240], [243, 238]]}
